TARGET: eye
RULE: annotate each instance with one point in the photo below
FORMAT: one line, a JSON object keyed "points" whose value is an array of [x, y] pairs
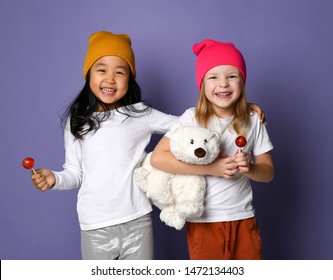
{"points": [[205, 141], [120, 73], [192, 141], [212, 78], [101, 70]]}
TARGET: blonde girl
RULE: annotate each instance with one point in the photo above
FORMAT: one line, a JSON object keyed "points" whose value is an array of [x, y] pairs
{"points": [[228, 228]]}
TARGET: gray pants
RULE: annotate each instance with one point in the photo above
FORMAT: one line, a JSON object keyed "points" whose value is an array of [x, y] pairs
{"points": [[129, 241]]}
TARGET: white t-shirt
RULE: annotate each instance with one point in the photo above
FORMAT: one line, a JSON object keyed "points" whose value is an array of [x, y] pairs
{"points": [[102, 165], [230, 199]]}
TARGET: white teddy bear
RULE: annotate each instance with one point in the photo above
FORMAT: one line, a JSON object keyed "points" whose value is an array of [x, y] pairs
{"points": [[180, 196]]}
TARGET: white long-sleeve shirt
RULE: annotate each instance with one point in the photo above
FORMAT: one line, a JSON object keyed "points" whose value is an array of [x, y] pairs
{"points": [[102, 165]]}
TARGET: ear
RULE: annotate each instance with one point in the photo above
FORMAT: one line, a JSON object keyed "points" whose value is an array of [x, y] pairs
{"points": [[175, 128], [215, 134]]}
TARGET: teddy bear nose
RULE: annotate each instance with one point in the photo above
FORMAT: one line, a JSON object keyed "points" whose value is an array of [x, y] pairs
{"points": [[200, 152]]}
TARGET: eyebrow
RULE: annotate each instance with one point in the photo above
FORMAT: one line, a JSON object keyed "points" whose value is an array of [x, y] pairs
{"points": [[217, 73], [122, 67], [118, 66]]}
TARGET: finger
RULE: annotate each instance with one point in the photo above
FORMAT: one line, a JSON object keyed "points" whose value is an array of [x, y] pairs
{"points": [[231, 165], [241, 160], [262, 118], [231, 159], [244, 169], [43, 186], [232, 170], [37, 179], [229, 174], [244, 163]]}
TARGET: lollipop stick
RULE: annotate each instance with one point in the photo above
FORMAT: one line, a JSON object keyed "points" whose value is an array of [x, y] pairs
{"points": [[33, 170]]}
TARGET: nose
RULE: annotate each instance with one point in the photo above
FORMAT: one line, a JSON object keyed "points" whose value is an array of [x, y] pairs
{"points": [[224, 82], [200, 152], [110, 79]]}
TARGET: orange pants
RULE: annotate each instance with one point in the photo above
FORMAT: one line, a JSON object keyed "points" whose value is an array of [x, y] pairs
{"points": [[236, 240]]}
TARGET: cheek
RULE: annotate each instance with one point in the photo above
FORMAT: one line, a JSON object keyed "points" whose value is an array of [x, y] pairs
{"points": [[207, 87], [124, 85], [94, 87], [209, 90], [238, 86]]}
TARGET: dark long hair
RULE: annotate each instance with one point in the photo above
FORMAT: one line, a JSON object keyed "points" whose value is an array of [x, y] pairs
{"points": [[80, 111]]}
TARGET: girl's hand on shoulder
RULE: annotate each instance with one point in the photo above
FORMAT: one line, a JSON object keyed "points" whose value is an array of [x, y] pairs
{"points": [[243, 161], [255, 108], [224, 166], [43, 179]]}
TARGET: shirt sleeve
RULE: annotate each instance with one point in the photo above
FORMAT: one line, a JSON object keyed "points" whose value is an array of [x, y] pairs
{"points": [[186, 119], [161, 122], [71, 176]]}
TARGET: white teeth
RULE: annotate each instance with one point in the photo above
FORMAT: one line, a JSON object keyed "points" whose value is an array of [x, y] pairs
{"points": [[223, 94], [108, 90]]}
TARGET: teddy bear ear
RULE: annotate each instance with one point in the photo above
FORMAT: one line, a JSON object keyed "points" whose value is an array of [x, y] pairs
{"points": [[175, 127], [217, 135]]}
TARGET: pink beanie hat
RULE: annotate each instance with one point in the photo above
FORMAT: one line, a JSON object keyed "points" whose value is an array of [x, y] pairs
{"points": [[211, 53]]}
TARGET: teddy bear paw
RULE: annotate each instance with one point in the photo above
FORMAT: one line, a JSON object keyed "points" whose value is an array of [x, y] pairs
{"points": [[190, 209], [172, 219]]}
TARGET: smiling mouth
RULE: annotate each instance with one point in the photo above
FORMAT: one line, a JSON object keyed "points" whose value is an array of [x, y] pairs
{"points": [[108, 91], [223, 94]]}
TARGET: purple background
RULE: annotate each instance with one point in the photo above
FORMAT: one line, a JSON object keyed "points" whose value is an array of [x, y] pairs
{"points": [[288, 48]]}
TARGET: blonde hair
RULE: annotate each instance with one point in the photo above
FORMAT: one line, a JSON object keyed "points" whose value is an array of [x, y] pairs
{"points": [[204, 111]]}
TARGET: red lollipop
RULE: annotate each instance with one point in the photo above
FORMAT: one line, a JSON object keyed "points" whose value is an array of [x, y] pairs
{"points": [[28, 163], [240, 142]]}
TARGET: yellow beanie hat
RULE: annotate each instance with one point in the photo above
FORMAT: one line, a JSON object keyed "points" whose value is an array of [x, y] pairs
{"points": [[104, 43]]}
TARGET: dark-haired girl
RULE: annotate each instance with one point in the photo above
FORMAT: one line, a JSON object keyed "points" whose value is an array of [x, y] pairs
{"points": [[107, 129]]}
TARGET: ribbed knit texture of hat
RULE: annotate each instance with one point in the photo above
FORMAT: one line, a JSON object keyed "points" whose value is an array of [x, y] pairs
{"points": [[104, 43]]}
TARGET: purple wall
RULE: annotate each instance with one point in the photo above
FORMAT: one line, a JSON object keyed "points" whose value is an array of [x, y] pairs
{"points": [[288, 47]]}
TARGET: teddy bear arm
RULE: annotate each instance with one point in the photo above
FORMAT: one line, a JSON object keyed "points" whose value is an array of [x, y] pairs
{"points": [[158, 189], [189, 193], [141, 178]]}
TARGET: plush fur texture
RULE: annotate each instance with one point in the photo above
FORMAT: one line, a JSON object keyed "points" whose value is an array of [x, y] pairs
{"points": [[180, 196]]}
